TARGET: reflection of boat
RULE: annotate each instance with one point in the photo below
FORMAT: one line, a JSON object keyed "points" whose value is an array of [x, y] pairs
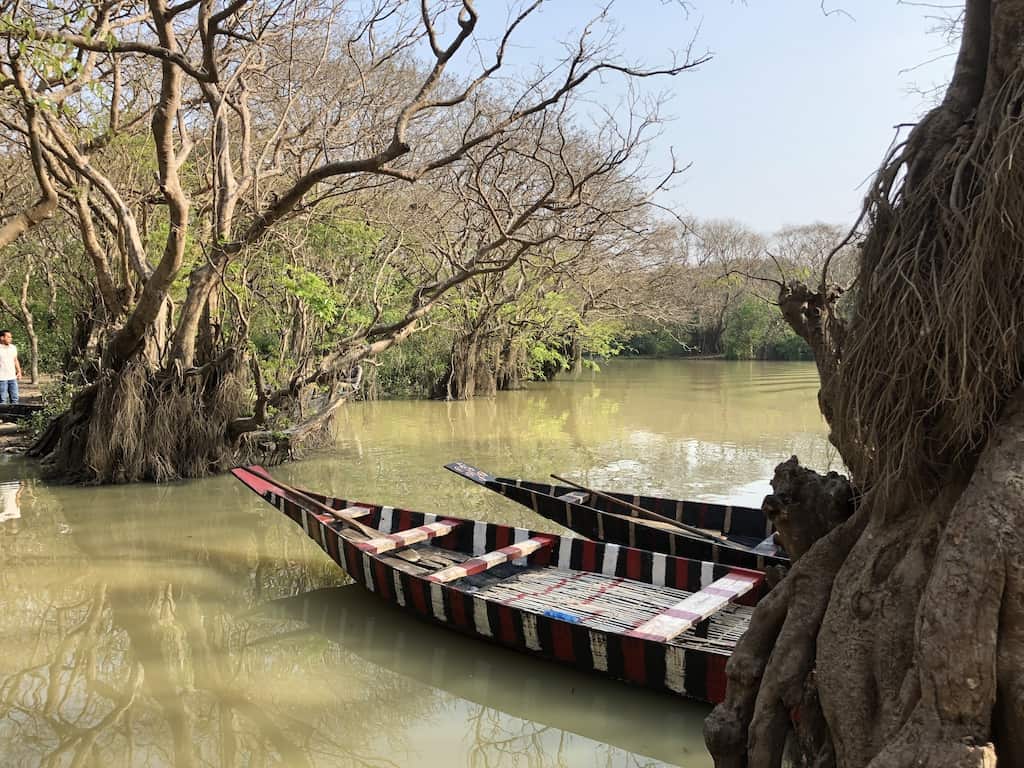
{"points": [[648, 618], [743, 530], [483, 674]]}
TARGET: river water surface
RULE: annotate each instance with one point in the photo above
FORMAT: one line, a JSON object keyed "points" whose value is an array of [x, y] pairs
{"points": [[193, 625]]}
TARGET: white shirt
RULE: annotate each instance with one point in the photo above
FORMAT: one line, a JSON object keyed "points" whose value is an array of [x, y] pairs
{"points": [[8, 353]]}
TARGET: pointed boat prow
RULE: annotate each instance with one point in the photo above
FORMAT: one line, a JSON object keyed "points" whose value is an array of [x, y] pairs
{"points": [[257, 479], [470, 472]]}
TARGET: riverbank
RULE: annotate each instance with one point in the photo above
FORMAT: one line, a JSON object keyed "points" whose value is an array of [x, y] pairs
{"points": [[715, 356], [15, 437]]}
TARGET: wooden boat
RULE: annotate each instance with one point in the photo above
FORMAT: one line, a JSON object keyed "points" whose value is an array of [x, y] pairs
{"points": [[736, 536], [648, 618]]}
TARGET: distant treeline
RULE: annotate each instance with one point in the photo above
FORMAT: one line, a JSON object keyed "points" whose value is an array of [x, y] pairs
{"points": [[753, 330], [699, 290]]}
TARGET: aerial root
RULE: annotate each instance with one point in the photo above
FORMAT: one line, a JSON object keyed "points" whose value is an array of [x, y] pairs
{"points": [[725, 730]]}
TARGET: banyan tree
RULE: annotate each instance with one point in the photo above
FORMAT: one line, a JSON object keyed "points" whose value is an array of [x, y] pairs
{"points": [[897, 639]]}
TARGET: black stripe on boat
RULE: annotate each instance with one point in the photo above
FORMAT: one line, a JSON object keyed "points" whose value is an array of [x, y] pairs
{"points": [[743, 528]]}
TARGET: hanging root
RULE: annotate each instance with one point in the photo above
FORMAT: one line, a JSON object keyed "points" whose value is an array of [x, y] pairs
{"points": [[138, 425], [936, 343]]}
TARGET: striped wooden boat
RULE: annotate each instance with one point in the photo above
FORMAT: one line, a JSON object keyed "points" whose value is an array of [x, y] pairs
{"points": [[744, 531], [648, 618]]}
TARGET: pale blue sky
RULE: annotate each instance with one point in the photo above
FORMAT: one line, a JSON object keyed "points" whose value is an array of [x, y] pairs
{"points": [[794, 110]]}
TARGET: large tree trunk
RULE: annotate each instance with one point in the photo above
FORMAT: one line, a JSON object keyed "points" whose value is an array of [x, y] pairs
{"points": [[898, 637], [29, 321]]}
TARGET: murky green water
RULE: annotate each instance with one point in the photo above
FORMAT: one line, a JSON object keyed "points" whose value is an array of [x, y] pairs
{"points": [[192, 625]]}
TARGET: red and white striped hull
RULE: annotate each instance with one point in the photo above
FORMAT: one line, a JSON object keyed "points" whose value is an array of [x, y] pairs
{"points": [[612, 609]]}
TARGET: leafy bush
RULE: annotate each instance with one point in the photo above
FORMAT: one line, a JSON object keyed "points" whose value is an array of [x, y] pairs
{"points": [[56, 397], [416, 367], [756, 331], [657, 342]]}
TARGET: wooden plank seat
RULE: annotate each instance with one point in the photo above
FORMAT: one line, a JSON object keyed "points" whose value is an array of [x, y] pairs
{"points": [[673, 621], [575, 497], [348, 513], [488, 560], [406, 538], [355, 511]]}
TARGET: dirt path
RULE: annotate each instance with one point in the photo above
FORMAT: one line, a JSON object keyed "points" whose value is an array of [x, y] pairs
{"points": [[14, 438]]}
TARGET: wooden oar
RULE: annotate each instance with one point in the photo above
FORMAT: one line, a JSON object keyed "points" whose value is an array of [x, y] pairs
{"points": [[718, 539], [302, 500]]}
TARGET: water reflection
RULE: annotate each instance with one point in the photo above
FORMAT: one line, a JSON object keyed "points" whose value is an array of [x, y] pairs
{"points": [[10, 506], [519, 702], [153, 642], [708, 430], [159, 626]]}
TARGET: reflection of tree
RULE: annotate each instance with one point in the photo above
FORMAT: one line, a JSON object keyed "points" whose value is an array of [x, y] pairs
{"points": [[143, 657], [495, 743], [498, 742], [696, 430]]}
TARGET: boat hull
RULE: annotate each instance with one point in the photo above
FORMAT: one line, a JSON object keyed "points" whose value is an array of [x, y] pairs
{"points": [[742, 525]]}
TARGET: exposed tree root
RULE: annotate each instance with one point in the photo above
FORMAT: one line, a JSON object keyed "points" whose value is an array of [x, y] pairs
{"points": [[138, 425], [770, 672], [805, 505], [275, 447], [930, 607], [965, 684]]}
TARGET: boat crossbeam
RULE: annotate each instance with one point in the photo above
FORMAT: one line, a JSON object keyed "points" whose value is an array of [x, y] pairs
{"points": [[673, 621], [489, 560], [406, 538]]}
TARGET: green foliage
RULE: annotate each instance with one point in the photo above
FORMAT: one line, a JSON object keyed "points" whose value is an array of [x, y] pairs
{"points": [[314, 291], [57, 396], [755, 330], [655, 342], [417, 367], [601, 338], [544, 361]]}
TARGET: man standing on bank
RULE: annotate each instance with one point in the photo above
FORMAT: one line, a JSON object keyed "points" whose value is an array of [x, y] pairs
{"points": [[10, 368]]}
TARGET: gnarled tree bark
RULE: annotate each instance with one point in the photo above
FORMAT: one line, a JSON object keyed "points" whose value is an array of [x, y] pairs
{"points": [[896, 638]]}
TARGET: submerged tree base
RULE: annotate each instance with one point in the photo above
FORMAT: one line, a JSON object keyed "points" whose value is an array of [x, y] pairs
{"points": [[902, 629], [136, 424]]}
